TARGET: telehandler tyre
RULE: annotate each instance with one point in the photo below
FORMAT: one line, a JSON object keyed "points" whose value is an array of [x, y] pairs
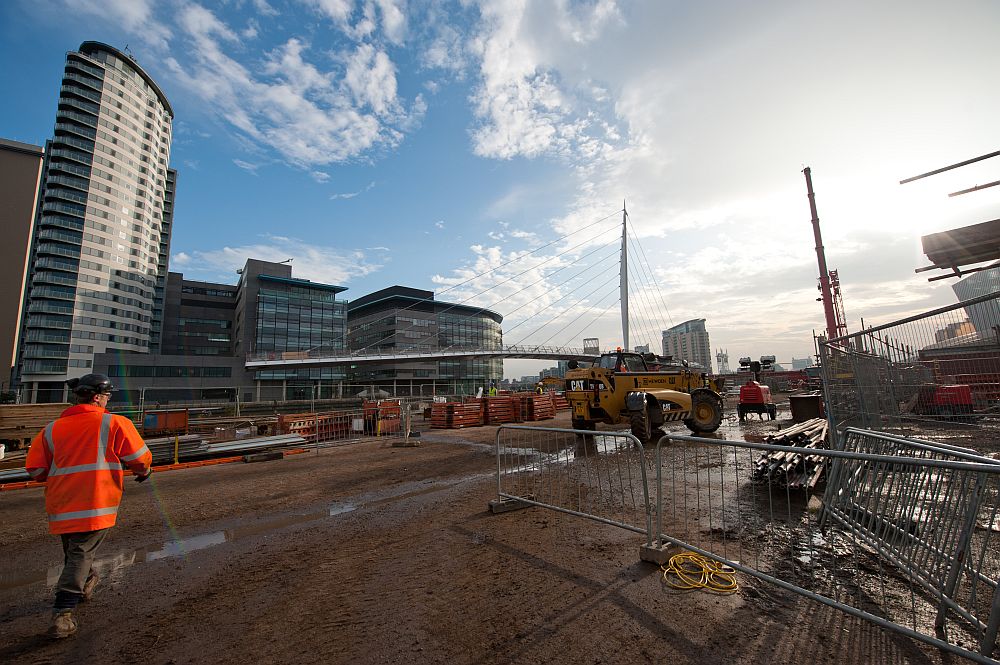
{"points": [[706, 413], [642, 424]]}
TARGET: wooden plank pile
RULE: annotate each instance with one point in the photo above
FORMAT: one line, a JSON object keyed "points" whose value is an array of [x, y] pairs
{"points": [[456, 415], [498, 410], [24, 421], [560, 402], [800, 471], [537, 407]]}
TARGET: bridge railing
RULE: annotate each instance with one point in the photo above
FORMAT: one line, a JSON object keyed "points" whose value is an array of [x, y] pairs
{"points": [[360, 354]]}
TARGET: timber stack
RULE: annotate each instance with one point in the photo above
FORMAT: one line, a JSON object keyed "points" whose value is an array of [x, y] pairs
{"points": [[20, 422], [800, 471]]}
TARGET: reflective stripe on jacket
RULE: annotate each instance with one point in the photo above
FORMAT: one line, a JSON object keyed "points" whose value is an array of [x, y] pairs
{"points": [[79, 456]]}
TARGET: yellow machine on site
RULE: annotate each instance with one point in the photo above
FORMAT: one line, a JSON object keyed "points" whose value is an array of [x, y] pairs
{"points": [[623, 387]]}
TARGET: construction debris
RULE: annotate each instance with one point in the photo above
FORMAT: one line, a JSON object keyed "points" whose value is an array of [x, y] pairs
{"points": [[794, 470]]}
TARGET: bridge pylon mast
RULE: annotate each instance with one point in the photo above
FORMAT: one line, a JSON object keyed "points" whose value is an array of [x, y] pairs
{"points": [[624, 279]]}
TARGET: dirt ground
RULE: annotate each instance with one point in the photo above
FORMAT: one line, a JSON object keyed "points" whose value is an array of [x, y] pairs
{"points": [[366, 553]]}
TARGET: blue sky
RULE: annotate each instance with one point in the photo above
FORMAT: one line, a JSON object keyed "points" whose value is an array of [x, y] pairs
{"points": [[381, 142]]}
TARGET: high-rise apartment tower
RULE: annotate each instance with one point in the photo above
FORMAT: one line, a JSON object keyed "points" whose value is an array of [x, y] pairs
{"points": [[689, 341], [98, 263]]}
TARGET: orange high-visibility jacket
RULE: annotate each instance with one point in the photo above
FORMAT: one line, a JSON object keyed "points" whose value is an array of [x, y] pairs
{"points": [[79, 458]]}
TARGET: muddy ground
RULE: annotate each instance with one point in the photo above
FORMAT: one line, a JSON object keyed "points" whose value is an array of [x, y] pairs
{"points": [[366, 553]]}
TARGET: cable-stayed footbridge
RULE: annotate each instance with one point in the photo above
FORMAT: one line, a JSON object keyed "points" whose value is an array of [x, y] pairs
{"points": [[556, 291]]}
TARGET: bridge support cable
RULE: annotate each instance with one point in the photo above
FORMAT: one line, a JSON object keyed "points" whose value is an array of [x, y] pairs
{"points": [[649, 309], [656, 286], [567, 281], [579, 316], [589, 240], [543, 278], [578, 302], [649, 279], [641, 318], [644, 316]]}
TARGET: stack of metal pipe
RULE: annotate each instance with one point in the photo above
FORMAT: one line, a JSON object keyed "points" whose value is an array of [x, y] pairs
{"points": [[794, 470]]}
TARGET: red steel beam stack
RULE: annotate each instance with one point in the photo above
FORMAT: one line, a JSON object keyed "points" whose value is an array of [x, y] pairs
{"points": [[537, 407], [331, 425], [498, 410], [456, 415]]}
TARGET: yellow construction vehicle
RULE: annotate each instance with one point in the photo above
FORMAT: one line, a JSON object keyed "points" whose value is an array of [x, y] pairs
{"points": [[620, 387]]}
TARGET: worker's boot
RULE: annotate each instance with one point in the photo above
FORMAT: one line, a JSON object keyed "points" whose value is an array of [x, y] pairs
{"points": [[63, 624], [89, 586]]}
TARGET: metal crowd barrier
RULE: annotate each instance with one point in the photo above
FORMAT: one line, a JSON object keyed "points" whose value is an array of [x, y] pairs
{"points": [[904, 536], [894, 541], [598, 475]]}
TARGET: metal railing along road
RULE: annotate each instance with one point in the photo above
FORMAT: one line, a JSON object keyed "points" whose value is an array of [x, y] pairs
{"points": [[335, 356]]}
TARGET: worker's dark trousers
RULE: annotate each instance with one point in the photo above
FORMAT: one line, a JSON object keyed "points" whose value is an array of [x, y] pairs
{"points": [[79, 550]]}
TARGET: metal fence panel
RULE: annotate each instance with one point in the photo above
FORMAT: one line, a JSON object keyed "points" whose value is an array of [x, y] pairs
{"points": [[905, 540], [935, 375], [601, 476]]}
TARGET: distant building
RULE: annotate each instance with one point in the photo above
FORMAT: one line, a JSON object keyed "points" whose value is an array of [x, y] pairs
{"points": [[20, 175], [399, 319], [689, 341], [954, 331], [592, 346], [983, 316], [209, 329], [802, 363], [641, 348], [722, 358]]}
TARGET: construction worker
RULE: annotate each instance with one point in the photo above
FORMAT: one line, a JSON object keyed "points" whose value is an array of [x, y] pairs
{"points": [[493, 389], [540, 388], [79, 458]]}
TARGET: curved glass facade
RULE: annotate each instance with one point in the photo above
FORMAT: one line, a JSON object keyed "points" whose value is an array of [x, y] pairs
{"points": [[399, 319], [104, 218]]}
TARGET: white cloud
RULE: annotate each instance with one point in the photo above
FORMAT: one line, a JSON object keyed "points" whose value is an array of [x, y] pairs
{"points": [[351, 195], [310, 116], [393, 19], [134, 15], [336, 10], [264, 8], [371, 78], [247, 166], [439, 224], [251, 31], [313, 261], [319, 176], [525, 105]]}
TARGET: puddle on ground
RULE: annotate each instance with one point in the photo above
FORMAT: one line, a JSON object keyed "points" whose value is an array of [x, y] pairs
{"points": [[111, 569], [106, 567]]}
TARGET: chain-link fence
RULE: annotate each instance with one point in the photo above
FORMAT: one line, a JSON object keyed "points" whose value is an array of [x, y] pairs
{"points": [[935, 375]]}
